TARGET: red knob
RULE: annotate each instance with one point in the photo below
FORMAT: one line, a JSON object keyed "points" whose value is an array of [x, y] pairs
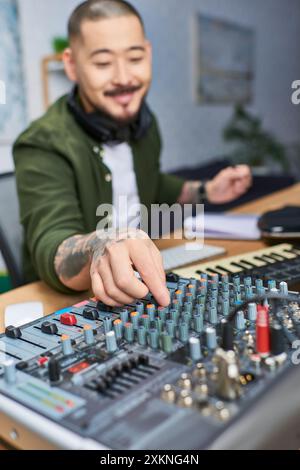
{"points": [[68, 319], [262, 331]]}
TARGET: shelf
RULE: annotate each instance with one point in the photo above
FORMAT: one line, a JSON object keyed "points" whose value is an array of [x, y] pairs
{"points": [[46, 61]]}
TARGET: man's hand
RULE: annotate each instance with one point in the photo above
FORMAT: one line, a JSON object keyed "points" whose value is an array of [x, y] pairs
{"points": [[229, 184], [106, 261], [112, 269]]}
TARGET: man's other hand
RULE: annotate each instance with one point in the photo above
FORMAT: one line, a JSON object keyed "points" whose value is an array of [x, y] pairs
{"points": [[229, 184]]}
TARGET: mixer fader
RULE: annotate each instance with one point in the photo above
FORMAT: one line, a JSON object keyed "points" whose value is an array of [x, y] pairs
{"points": [[215, 369]]}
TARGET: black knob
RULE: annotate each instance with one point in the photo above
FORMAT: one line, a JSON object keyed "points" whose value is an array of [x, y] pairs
{"points": [[101, 384], [22, 365], [54, 370], [13, 332], [144, 360], [90, 314], [49, 328], [127, 365], [134, 361], [104, 308], [227, 336], [172, 277], [277, 339]]}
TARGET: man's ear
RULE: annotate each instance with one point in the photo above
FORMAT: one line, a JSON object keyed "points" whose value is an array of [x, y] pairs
{"points": [[69, 64]]}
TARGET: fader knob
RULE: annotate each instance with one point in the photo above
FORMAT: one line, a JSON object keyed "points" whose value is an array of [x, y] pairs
{"points": [[68, 319], [13, 332], [49, 328], [90, 314]]}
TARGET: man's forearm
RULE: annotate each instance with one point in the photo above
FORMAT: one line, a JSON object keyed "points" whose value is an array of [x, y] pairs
{"points": [[73, 259], [74, 256]]}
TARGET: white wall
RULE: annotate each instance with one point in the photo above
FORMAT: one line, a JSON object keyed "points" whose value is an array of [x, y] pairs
{"points": [[6, 162], [192, 133]]}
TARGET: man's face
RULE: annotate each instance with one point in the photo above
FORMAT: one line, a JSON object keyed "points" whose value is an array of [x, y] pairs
{"points": [[112, 64]]}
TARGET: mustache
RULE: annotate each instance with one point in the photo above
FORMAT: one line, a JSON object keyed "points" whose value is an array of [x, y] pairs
{"points": [[123, 90]]}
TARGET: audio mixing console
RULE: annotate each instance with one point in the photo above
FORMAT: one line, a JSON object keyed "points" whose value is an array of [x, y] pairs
{"points": [[216, 369]]}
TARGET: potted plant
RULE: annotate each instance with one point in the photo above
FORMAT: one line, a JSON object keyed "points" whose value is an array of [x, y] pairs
{"points": [[252, 144]]}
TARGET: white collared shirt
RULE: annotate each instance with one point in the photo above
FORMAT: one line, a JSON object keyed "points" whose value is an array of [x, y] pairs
{"points": [[119, 159]]}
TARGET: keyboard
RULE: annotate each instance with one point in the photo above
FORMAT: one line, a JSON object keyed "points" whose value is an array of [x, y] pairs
{"points": [[188, 253], [279, 262]]}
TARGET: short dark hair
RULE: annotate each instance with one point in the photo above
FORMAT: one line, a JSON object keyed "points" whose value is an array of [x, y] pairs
{"points": [[94, 10]]}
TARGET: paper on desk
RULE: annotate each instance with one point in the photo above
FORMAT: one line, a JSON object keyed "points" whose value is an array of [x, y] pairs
{"points": [[223, 226]]}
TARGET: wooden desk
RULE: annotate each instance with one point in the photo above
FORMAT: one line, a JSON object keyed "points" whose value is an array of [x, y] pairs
{"points": [[52, 301]]}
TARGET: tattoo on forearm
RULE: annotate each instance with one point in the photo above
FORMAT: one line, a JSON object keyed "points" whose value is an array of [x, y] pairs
{"points": [[75, 253]]}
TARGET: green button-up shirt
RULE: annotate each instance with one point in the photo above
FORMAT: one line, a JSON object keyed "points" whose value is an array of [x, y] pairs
{"points": [[61, 180]]}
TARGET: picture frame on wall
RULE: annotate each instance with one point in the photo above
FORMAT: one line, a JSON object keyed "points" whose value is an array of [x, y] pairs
{"points": [[224, 61]]}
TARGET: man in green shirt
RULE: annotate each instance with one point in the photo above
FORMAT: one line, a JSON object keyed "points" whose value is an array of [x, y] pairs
{"points": [[93, 147]]}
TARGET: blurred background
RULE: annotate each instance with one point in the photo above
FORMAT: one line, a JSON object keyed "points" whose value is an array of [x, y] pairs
{"points": [[223, 73], [193, 131]]}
